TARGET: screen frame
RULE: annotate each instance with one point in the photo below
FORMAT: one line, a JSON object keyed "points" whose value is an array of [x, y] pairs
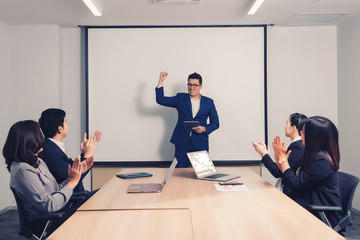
{"points": [[85, 30]]}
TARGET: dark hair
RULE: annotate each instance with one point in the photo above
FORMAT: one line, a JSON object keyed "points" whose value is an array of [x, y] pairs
{"points": [[321, 136], [297, 120], [23, 142], [50, 120], [195, 76]]}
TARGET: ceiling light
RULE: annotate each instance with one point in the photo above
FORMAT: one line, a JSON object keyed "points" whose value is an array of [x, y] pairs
{"points": [[255, 6], [93, 8]]}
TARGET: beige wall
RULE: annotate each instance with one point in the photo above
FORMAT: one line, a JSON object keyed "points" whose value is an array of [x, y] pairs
{"points": [[40, 68], [301, 62], [349, 98]]}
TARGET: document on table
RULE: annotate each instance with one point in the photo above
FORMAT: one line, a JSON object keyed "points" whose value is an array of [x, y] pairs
{"points": [[230, 188]]}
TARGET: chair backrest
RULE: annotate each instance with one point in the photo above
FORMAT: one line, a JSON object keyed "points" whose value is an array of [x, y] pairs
{"points": [[348, 184], [24, 230]]}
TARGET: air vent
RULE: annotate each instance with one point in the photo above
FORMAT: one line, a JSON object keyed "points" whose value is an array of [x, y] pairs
{"points": [[314, 18], [176, 1]]}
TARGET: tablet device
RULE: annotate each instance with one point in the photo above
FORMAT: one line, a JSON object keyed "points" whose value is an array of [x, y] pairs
{"points": [[190, 124], [134, 175]]}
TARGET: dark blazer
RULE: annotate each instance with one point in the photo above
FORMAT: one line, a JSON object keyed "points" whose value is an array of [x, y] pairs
{"points": [[317, 185], [295, 161], [183, 105], [57, 162]]}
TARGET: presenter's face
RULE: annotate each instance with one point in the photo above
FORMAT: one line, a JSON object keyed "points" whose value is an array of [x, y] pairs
{"points": [[194, 88]]}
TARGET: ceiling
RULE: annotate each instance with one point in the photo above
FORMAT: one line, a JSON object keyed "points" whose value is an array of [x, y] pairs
{"points": [[146, 12]]}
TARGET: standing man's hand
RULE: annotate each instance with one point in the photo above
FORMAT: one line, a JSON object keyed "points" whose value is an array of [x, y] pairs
{"points": [[163, 76], [199, 129]]}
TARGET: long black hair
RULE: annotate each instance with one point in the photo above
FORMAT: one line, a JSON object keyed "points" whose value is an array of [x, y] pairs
{"points": [[23, 142], [321, 136]]}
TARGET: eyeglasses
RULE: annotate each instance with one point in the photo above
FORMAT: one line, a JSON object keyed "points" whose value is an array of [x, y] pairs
{"points": [[193, 85]]}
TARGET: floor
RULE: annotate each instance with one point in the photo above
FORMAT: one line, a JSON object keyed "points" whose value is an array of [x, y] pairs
{"points": [[9, 226]]}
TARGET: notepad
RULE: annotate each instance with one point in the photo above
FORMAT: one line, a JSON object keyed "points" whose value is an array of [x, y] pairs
{"points": [[134, 175]]}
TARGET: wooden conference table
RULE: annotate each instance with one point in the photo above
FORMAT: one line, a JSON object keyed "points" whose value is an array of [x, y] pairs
{"points": [[189, 208]]}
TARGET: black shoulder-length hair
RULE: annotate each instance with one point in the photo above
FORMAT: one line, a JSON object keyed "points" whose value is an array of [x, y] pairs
{"points": [[321, 136], [23, 142]]}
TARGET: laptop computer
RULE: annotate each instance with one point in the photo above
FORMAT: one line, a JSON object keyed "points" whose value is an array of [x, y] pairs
{"points": [[152, 187], [205, 169]]}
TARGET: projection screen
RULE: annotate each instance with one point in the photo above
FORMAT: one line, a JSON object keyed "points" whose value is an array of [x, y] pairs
{"points": [[124, 64]]}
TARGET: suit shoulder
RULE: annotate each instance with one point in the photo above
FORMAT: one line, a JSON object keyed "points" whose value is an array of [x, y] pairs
{"points": [[207, 99], [182, 94], [297, 144]]}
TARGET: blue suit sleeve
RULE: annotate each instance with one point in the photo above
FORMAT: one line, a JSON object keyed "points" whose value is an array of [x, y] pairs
{"points": [[295, 160], [271, 166], [214, 119], [164, 101]]}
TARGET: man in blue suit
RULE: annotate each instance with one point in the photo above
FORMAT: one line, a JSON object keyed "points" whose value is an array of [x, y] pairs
{"points": [[191, 106], [55, 128]]}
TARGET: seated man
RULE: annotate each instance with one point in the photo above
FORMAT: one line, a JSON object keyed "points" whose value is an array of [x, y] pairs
{"points": [[54, 127]]}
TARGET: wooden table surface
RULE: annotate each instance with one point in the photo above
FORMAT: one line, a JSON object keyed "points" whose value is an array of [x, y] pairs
{"points": [[263, 212]]}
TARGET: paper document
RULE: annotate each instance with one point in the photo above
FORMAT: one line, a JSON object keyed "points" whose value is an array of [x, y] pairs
{"points": [[230, 188]]}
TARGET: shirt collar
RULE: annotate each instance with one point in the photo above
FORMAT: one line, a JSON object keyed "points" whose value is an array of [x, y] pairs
{"points": [[296, 139]]}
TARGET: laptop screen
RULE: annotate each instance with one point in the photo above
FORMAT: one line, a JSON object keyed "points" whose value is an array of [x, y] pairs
{"points": [[169, 172], [201, 163]]}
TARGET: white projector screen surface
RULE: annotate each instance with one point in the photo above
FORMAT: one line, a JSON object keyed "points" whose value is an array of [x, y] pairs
{"points": [[123, 70]]}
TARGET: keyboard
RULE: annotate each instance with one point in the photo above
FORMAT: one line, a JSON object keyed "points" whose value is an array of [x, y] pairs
{"points": [[217, 175], [145, 188], [151, 187]]}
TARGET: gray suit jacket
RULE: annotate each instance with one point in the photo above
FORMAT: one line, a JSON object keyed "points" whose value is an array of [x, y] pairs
{"points": [[37, 188]]}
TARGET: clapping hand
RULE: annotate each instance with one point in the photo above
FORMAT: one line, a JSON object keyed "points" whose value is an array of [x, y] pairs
{"points": [[74, 172], [280, 149], [86, 164], [88, 145], [261, 148]]}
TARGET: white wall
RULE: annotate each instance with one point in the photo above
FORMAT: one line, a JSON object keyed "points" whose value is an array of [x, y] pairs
{"points": [[41, 70], [349, 98], [5, 199], [302, 76]]}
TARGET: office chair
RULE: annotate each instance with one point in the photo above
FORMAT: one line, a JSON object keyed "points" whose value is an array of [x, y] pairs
{"points": [[348, 184], [26, 231]]}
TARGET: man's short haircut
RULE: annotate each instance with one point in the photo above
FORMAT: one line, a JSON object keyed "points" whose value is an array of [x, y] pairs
{"points": [[195, 76], [50, 120]]}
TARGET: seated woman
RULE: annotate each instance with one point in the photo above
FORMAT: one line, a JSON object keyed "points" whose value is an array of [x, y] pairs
{"points": [[36, 188], [316, 182], [292, 130]]}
